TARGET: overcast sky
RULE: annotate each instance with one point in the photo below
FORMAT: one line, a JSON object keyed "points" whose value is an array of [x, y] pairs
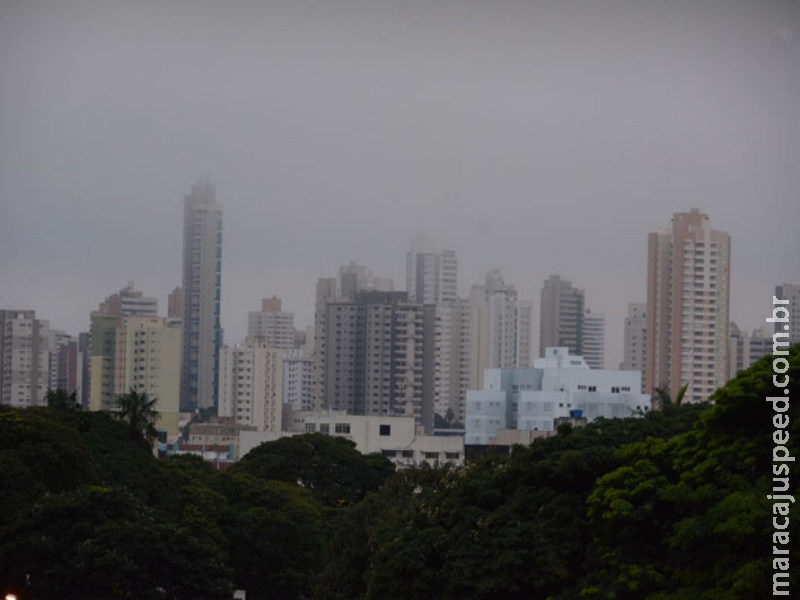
{"points": [[536, 137]]}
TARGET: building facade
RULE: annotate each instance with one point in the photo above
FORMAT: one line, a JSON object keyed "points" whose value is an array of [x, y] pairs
{"points": [[24, 358], [561, 316], [272, 324], [558, 385], [431, 274], [635, 339], [153, 349], [251, 385], [593, 340], [688, 298], [298, 380], [202, 286], [791, 294]]}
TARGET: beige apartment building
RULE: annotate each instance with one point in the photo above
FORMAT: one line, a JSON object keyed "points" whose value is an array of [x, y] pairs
{"points": [[688, 298]]}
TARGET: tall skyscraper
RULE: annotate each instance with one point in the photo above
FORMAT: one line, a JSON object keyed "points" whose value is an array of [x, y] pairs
{"points": [[635, 341], [202, 284], [24, 358], [688, 297], [431, 274], [561, 316]]}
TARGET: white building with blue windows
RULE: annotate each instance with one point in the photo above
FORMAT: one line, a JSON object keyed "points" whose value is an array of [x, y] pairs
{"points": [[557, 385]]}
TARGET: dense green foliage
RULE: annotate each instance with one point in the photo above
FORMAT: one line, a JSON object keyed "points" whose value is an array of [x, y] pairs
{"points": [[670, 506]]}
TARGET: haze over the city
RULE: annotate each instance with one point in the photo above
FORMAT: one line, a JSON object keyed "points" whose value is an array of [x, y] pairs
{"points": [[535, 137]]}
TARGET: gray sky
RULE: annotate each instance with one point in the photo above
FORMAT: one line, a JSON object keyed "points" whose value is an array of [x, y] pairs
{"points": [[537, 137]]}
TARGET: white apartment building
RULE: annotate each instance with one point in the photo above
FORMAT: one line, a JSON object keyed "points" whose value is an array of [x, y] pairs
{"points": [[251, 385], [24, 358], [272, 324], [593, 343], [298, 380], [557, 385], [431, 274]]}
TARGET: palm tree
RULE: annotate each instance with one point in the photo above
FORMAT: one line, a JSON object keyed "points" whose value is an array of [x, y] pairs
{"points": [[662, 398], [138, 411]]}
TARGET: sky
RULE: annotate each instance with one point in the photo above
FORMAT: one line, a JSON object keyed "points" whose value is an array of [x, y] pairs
{"points": [[537, 137]]}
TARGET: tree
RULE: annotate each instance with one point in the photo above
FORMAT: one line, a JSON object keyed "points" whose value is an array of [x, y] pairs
{"points": [[662, 398], [60, 400], [331, 467], [138, 411]]}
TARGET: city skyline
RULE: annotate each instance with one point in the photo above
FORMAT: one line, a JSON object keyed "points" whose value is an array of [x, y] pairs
{"points": [[522, 136]]}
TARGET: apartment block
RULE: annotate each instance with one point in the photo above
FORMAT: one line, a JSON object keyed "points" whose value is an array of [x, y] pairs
{"points": [[688, 299], [153, 349], [272, 324], [635, 339], [251, 385], [561, 316], [431, 274], [24, 358]]}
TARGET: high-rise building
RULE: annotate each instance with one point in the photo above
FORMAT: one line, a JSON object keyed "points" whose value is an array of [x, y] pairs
{"points": [[107, 362], [431, 274], [688, 297], [272, 324], [499, 329], [451, 374], [635, 342], [152, 365], [790, 293], [374, 359], [593, 339], [561, 316], [298, 380], [202, 285], [129, 302], [24, 358], [251, 385], [65, 362], [175, 304], [325, 292]]}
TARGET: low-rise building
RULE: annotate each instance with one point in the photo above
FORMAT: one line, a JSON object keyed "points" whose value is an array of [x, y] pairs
{"points": [[559, 384], [397, 438]]}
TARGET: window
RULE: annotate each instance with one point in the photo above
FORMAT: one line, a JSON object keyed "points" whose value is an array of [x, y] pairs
{"points": [[389, 453], [431, 455], [342, 428], [451, 455], [325, 428], [408, 454], [385, 430], [310, 428]]}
